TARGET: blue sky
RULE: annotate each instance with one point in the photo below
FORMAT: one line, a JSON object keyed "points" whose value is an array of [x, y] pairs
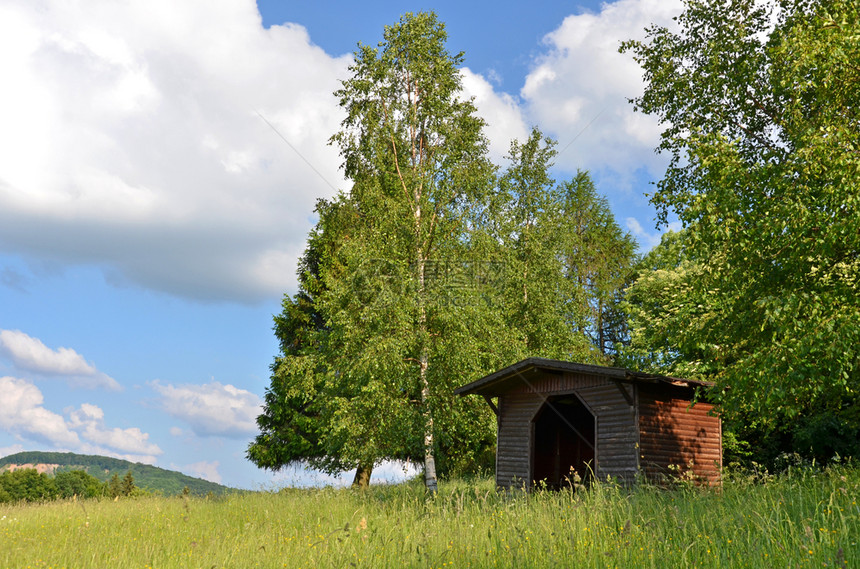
{"points": [[150, 221]]}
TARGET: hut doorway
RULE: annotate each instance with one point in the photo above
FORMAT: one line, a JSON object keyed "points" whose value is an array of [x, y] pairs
{"points": [[564, 441]]}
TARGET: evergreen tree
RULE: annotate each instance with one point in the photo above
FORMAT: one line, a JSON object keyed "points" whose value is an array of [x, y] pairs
{"points": [[114, 486], [127, 486]]}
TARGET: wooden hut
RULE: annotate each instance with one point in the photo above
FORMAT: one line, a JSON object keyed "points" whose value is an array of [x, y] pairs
{"points": [[554, 416]]}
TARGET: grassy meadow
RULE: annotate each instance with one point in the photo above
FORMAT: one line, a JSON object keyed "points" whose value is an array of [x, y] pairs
{"points": [[800, 519]]}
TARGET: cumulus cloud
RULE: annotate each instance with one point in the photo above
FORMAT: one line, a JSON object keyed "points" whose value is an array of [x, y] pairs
{"points": [[580, 87], [205, 470], [13, 449], [502, 113], [88, 421], [24, 416], [30, 354], [211, 409], [131, 140]]}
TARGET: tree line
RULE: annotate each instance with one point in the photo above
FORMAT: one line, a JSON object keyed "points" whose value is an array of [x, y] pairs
{"points": [[146, 476], [438, 266], [30, 485]]}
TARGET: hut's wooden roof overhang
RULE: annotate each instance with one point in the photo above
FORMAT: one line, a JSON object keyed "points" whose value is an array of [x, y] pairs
{"points": [[513, 376]]}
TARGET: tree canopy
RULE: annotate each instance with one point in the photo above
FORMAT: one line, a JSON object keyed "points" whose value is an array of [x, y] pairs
{"points": [[760, 103], [433, 270]]}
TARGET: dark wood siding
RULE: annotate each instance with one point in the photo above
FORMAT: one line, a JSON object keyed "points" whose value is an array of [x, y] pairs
{"points": [[616, 432], [548, 383], [673, 433], [513, 451], [616, 435]]}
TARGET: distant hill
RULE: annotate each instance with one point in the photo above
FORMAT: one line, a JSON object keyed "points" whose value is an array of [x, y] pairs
{"points": [[148, 477]]}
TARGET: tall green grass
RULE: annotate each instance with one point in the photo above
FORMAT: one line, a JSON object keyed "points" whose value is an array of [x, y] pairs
{"points": [[802, 519]]}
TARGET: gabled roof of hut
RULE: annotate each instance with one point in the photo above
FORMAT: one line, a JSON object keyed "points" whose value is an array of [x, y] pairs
{"points": [[504, 380]]}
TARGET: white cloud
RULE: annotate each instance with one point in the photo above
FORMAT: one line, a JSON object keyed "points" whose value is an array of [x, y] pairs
{"points": [[176, 431], [88, 421], [211, 409], [13, 449], [649, 239], [30, 354], [501, 111], [131, 140], [23, 415], [205, 470], [581, 86]]}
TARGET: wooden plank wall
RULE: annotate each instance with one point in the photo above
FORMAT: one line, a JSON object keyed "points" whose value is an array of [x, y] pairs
{"points": [[617, 437], [616, 431], [672, 433], [512, 448]]}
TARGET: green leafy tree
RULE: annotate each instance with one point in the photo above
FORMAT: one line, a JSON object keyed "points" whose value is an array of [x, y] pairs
{"points": [[666, 314], [598, 260], [382, 366], [416, 154], [78, 483], [566, 260], [296, 410], [27, 484], [430, 272], [525, 218], [760, 105]]}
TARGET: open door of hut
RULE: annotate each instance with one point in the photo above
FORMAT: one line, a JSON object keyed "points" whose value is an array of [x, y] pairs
{"points": [[563, 438]]}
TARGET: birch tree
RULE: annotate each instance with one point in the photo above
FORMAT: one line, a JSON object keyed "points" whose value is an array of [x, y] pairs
{"points": [[414, 149]]}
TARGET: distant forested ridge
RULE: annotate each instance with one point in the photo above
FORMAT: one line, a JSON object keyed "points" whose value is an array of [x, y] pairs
{"points": [[146, 477]]}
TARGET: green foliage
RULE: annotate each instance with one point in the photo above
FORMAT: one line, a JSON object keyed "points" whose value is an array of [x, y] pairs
{"points": [[127, 487], [26, 484], [565, 258], [430, 273], [295, 408], [371, 342], [760, 106], [78, 483], [598, 261], [522, 221], [667, 313], [415, 151], [29, 485], [114, 487], [805, 518]]}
